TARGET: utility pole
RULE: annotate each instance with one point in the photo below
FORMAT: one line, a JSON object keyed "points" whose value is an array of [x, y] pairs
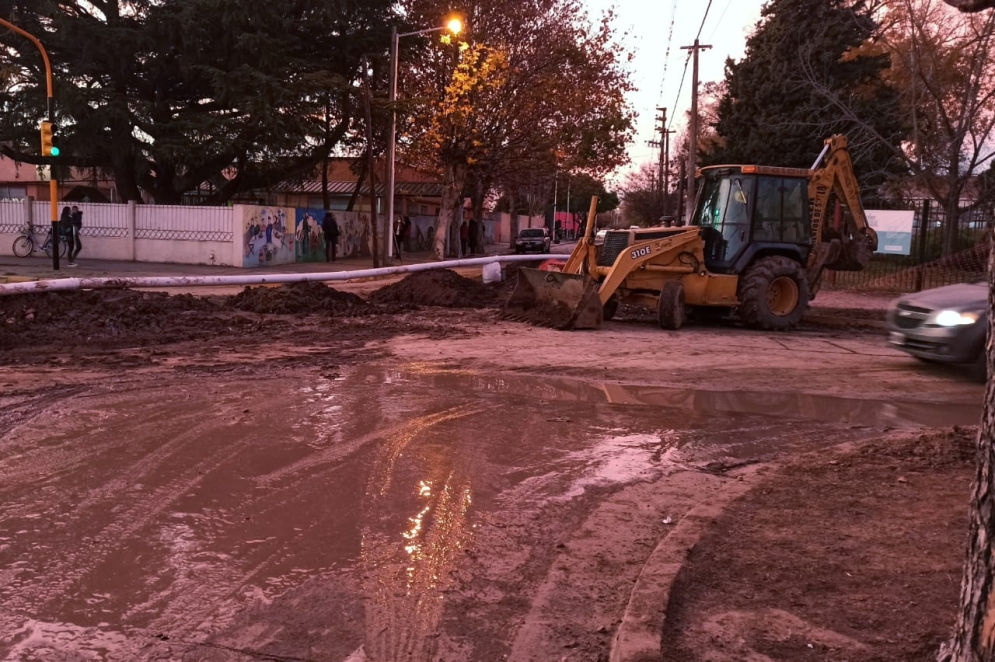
{"points": [[693, 130], [666, 172], [661, 183]]}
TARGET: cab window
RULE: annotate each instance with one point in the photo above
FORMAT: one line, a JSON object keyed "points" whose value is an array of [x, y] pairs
{"points": [[782, 210]]}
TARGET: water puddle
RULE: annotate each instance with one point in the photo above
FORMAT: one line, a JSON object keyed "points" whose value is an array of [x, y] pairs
{"points": [[805, 406]]}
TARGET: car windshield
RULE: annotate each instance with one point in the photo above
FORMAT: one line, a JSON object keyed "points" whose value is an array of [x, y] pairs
{"points": [[531, 234]]}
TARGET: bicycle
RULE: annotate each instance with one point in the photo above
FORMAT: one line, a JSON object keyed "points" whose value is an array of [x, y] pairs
{"points": [[27, 243]]}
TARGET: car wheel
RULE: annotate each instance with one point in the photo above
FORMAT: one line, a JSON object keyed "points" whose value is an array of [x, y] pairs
{"points": [[979, 369]]}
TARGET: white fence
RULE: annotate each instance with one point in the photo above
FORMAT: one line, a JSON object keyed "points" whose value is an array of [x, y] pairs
{"points": [[143, 233], [205, 235]]}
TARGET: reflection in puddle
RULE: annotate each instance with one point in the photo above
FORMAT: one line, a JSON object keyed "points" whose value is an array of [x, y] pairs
{"points": [[855, 411], [618, 460]]}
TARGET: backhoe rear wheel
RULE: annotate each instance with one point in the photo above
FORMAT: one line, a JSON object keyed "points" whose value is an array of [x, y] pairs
{"points": [[773, 293], [611, 307], [670, 308]]}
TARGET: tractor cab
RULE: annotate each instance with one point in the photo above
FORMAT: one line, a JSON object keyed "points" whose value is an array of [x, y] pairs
{"points": [[743, 210]]}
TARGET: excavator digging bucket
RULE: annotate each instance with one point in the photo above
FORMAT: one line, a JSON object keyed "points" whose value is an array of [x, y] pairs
{"points": [[856, 254], [555, 299]]}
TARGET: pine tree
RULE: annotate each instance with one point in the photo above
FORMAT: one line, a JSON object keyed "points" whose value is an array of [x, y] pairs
{"points": [[774, 111]]}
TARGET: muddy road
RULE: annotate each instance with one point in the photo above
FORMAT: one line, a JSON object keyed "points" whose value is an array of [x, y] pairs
{"points": [[385, 481]]}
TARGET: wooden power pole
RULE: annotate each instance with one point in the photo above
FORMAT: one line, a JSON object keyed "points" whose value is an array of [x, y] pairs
{"points": [[693, 129]]}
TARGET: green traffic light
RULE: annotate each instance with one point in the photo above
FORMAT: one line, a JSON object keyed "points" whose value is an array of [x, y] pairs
{"points": [[55, 151]]}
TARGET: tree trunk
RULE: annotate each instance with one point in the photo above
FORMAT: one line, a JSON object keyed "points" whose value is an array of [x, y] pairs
{"points": [[974, 635], [325, 199], [951, 224], [453, 180], [372, 173], [480, 187]]}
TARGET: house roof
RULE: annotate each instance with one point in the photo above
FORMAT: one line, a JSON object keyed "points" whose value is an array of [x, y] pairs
{"points": [[408, 189]]}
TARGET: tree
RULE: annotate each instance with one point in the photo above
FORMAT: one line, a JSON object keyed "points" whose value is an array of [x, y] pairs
{"points": [[944, 65], [533, 81], [971, 5], [774, 112], [643, 200], [168, 94]]}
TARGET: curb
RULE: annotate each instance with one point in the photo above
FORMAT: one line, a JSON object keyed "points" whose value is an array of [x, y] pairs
{"points": [[639, 635]]}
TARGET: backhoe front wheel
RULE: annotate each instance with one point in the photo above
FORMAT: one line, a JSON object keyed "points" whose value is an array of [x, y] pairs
{"points": [[773, 294], [670, 308]]}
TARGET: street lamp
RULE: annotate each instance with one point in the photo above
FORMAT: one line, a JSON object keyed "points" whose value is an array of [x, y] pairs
{"points": [[455, 26], [46, 140]]}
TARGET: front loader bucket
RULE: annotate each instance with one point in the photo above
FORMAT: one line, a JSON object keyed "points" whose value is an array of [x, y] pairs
{"points": [[555, 299]]}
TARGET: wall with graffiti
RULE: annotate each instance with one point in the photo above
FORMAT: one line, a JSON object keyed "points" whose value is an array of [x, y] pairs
{"points": [[310, 240], [268, 236]]}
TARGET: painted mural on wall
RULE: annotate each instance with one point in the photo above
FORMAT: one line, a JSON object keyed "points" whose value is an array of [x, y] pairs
{"points": [[267, 237], [353, 239], [310, 239]]}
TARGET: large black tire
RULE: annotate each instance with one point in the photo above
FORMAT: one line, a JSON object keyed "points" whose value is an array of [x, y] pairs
{"points": [[773, 293], [670, 308], [22, 247], [611, 307]]}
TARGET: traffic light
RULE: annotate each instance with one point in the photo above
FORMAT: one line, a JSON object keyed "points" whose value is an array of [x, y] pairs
{"points": [[47, 148]]}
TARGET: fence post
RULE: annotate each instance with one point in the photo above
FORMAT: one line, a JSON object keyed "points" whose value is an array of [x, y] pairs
{"points": [[28, 213], [923, 234], [132, 212]]}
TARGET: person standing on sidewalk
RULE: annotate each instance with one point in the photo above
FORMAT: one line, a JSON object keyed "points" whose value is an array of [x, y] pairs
{"points": [[74, 242], [66, 230], [331, 231]]}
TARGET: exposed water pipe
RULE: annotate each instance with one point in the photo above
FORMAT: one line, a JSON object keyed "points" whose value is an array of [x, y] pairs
{"points": [[65, 284]]}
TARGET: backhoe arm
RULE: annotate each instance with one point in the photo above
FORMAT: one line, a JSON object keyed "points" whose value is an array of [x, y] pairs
{"points": [[849, 247]]}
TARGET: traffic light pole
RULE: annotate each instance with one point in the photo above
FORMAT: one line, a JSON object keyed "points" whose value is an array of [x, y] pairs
{"points": [[53, 186]]}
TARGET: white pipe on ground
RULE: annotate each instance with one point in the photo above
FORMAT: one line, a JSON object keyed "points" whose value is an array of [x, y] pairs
{"points": [[64, 284]]}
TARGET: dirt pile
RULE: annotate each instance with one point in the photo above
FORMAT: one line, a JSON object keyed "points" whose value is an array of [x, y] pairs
{"points": [[110, 315], [298, 299], [439, 287], [931, 450]]}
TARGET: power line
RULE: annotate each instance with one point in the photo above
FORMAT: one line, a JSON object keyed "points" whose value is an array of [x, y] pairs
{"points": [[680, 88], [703, 19], [670, 39], [719, 22], [688, 60]]}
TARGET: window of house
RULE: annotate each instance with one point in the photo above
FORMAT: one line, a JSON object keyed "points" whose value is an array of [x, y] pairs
{"points": [[13, 192]]}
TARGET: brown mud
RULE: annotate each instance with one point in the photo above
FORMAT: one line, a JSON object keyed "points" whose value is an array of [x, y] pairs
{"points": [[850, 556], [439, 287]]}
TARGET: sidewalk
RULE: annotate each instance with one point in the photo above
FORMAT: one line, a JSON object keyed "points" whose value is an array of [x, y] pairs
{"points": [[15, 269]]}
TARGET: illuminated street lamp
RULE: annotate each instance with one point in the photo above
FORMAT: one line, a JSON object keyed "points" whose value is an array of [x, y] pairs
{"points": [[454, 26], [47, 148]]}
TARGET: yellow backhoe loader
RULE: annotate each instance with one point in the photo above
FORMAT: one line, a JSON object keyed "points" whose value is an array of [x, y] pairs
{"points": [[759, 241]]}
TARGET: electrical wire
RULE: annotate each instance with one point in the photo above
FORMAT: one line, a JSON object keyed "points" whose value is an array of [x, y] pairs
{"points": [[688, 61], [670, 40], [679, 89], [703, 19], [719, 22]]}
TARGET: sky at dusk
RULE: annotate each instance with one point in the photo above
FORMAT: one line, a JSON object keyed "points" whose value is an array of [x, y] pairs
{"points": [[648, 23]]}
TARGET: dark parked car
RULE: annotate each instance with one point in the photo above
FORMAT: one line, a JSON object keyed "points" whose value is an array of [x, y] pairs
{"points": [[947, 325], [532, 240]]}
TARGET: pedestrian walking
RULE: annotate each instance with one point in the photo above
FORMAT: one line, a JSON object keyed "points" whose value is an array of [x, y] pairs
{"points": [[331, 230], [398, 237], [66, 230], [74, 242], [464, 237]]}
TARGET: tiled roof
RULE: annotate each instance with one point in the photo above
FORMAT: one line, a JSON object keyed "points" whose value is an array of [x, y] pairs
{"points": [[410, 189]]}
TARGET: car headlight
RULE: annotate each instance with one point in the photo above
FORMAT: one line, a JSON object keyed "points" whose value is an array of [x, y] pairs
{"points": [[955, 318]]}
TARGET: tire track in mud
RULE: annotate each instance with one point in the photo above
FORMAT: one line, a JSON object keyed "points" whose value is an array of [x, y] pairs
{"points": [[70, 566]]}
